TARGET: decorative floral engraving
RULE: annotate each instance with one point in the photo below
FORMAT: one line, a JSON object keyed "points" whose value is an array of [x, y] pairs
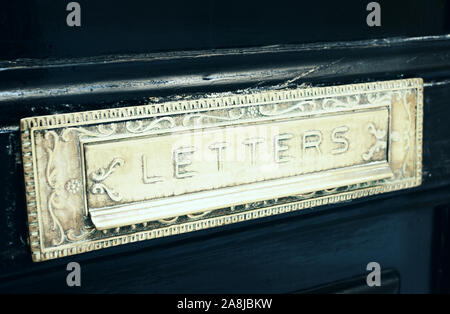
{"points": [[73, 186], [403, 171], [139, 127], [339, 103], [395, 136], [198, 119], [198, 215], [382, 98], [101, 131], [311, 106], [274, 109], [71, 236], [253, 111], [169, 220], [100, 175], [51, 173], [190, 216], [380, 142]]}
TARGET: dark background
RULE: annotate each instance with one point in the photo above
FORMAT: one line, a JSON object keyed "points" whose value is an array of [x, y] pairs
{"points": [[37, 28], [129, 52]]}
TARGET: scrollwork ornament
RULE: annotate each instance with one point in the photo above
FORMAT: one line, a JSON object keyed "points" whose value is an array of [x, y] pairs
{"points": [[380, 142], [98, 176]]}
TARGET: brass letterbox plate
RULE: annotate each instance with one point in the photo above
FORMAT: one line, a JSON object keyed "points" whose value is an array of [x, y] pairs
{"points": [[102, 178]]}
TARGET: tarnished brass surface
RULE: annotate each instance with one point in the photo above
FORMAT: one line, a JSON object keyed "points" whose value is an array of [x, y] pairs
{"points": [[108, 177]]}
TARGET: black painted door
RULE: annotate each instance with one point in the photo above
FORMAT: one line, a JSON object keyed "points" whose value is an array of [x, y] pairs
{"points": [[125, 52]]}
